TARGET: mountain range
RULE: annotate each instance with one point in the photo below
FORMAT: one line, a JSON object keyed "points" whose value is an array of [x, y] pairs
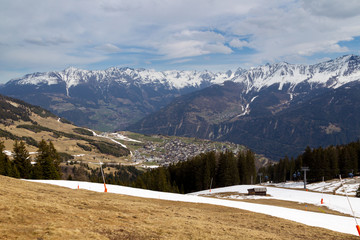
{"points": [[107, 100], [275, 109]]}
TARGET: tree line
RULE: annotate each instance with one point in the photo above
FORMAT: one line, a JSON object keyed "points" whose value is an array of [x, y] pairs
{"points": [[46, 166], [201, 172], [207, 170], [121, 175], [327, 163]]}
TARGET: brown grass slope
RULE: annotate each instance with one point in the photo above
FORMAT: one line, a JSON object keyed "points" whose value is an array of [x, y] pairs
{"points": [[40, 211], [15, 113]]}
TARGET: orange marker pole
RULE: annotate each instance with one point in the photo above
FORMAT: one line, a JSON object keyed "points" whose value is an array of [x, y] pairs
{"points": [[358, 228], [102, 173], [78, 186], [322, 192]]}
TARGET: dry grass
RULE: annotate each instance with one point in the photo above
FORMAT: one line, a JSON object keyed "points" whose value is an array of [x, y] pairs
{"points": [[40, 211], [61, 144]]}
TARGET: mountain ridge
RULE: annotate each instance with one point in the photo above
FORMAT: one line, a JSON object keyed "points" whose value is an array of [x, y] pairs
{"points": [[115, 98], [263, 75], [276, 120]]}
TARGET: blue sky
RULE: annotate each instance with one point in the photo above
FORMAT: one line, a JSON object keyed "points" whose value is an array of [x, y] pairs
{"points": [[39, 35]]}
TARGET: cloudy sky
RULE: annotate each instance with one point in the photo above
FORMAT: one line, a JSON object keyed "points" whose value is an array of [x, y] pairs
{"points": [[217, 35]]}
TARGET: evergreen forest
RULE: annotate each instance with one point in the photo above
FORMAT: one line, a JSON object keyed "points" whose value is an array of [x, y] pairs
{"points": [[323, 163], [46, 166], [207, 170]]}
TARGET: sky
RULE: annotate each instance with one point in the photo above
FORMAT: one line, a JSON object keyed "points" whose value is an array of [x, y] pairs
{"points": [[41, 36]]}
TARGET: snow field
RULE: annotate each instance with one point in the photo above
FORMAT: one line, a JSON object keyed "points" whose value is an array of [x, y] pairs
{"points": [[328, 221]]}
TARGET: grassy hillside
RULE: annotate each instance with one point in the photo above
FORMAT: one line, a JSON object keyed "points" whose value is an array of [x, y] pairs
{"points": [[22, 121], [41, 211]]}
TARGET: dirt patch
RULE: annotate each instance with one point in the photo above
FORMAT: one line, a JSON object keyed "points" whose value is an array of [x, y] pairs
{"points": [[41, 211]]}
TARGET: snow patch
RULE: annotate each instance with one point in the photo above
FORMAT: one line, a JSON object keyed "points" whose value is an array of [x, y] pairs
{"points": [[328, 221], [7, 153], [105, 135], [247, 111]]}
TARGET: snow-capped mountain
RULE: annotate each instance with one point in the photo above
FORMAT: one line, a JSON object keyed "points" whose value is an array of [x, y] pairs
{"points": [[333, 73], [73, 77], [109, 99], [213, 104], [274, 109]]}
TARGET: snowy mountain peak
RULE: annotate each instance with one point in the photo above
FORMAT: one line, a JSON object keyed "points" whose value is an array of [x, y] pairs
{"points": [[71, 69], [332, 73]]}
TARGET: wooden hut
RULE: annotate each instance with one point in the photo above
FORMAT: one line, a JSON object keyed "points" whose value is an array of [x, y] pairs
{"points": [[261, 191]]}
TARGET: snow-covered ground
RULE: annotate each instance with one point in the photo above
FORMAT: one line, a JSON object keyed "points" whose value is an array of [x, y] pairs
{"points": [[351, 185], [334, 202], [328, 221], [112, 137]]}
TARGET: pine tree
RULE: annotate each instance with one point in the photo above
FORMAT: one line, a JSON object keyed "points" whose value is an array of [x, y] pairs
{"points": [[241, 161], [227, 173], [250, 166], [47, 166], [22, 159], [2, 159], [331, 155], [7, 167]]}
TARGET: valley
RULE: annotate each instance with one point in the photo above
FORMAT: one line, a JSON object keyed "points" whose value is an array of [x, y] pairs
{"points": [[83, 146], [158, 119], [275, 109]]}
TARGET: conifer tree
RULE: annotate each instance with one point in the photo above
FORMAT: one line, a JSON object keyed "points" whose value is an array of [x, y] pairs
{"points": [[2, 159], [47, 166], [332, 156], [7, 167], [227, 173], [22, 159], [250, 166], [241, 161]]}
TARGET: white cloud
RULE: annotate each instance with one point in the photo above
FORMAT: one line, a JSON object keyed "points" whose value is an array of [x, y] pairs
{"points": [[184, 60], [193, 43], [53, 41], [333, 8], [57, 33], [236, 43], [287, 32], [108, 48]]}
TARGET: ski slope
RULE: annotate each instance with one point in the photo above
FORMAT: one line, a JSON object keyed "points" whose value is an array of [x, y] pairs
{"points": [[333, 202], [328, 221]]}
